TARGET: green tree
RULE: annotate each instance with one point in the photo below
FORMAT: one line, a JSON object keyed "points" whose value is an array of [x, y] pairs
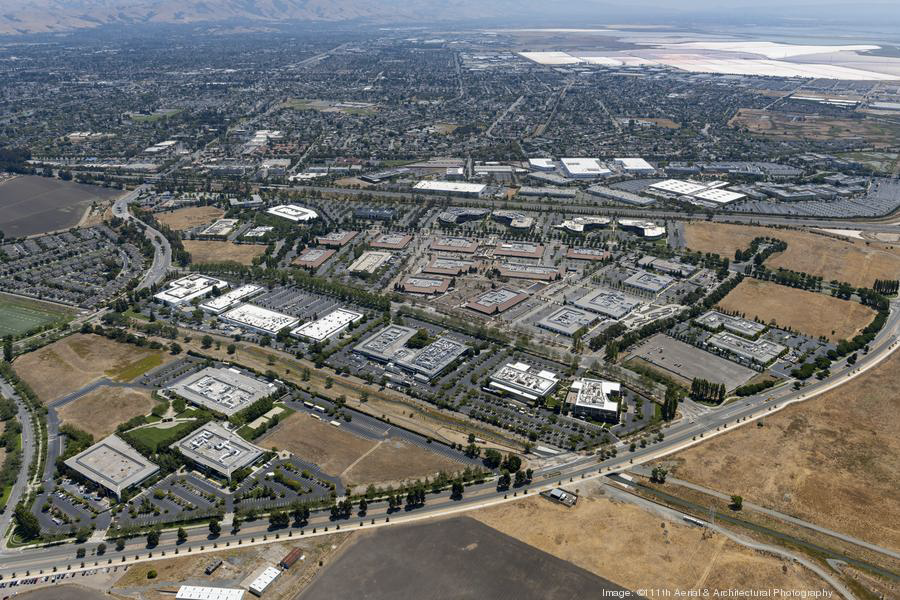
{"points": [[182, 535], [27, 525], [8, 349], [214, 527], [737, 502], [456, 490], [152, 538], [206, 341]]}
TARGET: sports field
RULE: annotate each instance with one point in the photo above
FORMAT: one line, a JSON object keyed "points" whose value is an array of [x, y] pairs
{"points": [[21, 315]]}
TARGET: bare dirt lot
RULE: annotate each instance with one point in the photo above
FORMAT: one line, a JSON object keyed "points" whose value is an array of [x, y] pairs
{"points": [[71, 363], [30, 205], [831, 460], [813, 127], [638, 549], [327, 446], [188, 218], [853, 261], [238, 565], [397, 460], [356, 460], [454, 558], [101, 411], [203, 251], [811, 313]]}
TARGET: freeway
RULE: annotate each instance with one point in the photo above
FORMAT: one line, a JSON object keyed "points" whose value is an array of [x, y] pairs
{"points": [[28, 451], [18, 563], [875, 225], [162, 250]]}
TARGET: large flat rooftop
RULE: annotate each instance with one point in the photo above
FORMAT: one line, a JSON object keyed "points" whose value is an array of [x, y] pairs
{"points": [[448, 266], [223, 390], [113, 464], [383, 344], [496, 301], [715, 320], [217, 449], [293, 212], [567, 320], [760, 351], [225, 301], [327, 326], [259, 319], [648, 282], [608, 302], [189, 287], [524, 380], [369, 262]]}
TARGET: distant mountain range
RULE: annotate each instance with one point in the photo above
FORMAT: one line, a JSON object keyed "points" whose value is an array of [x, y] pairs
{"points": [[40, 16]]}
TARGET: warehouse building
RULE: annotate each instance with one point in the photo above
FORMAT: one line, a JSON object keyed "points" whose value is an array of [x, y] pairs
{"points": [[262, 581], [112, 464], [220, 304], [215, 449], [223, 390], [182, 291], [196, 592], [327, 326], [584, 168], [458, 188], [541, 164], [546, 191], [523, 381], [634, 166], [595, 399], [258, 319]]}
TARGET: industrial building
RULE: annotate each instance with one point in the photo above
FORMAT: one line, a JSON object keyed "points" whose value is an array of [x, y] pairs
{"points": [[292, 212], [112, 464], [608, 302], [716, 321], [644, 282], [255, 201], [220, 304], [459, 188], [223, 390], [617, 195], [537, 272], [513, 219], [327, 326], [523, 381], [567, 320], [258, 232], [336, 239], [454, 244], [584, 168], [382, 345], [759, 351], [670, 267], [493, 302], [196, 592], [215, 449], [369, 262], [448, 266], [634, 166], [705, 193], [391, 241], [584, 224], [646, 229], [423, 284], [313, 258], [546, 191], [519, 249], [595, 399], [258, 319], [187, 288], [542, 164]]}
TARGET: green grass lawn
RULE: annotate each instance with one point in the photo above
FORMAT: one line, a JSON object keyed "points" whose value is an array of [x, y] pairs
{"points": [[136, 369], [19, 316], [155, 437]]}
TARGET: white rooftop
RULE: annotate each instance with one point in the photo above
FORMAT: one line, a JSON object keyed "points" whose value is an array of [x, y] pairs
{"points": [[451, 186], [196, 592], [259, 318], [292, 212], [327, 326], [189, 287], [633, 164], [584, 167], [227, 300], [719, 196], [676, 186], [264, 579]]}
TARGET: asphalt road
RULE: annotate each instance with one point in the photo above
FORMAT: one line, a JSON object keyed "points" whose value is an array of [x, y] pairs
{"points": [[684, 433], [28, 449], [162, 255]]}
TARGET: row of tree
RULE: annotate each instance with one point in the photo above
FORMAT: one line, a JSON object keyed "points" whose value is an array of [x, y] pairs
{"points": [[707, 391]]}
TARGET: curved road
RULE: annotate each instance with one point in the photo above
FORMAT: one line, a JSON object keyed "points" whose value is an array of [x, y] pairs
{"points": [[162, 250]]}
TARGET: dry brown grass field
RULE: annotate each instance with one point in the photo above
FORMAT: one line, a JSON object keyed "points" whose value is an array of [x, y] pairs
{"points": [[813, 127], [847, 260], [206, 251], [188, 218], [101, 411], [73, 362], [638, 549], [396, 460], [812, 313], [831, 460]]}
